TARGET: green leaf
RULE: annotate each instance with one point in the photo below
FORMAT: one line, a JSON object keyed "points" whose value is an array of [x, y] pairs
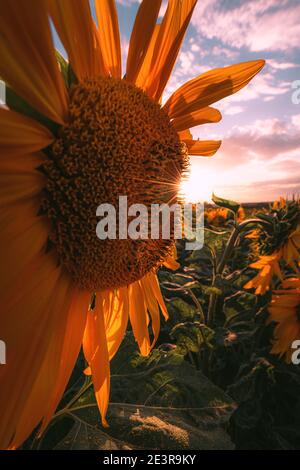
{"points": [[231, 205], [16, 103], [64, 67]]}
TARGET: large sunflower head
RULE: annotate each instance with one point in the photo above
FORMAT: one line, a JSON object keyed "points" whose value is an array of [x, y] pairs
{"points": [[75, 134]]}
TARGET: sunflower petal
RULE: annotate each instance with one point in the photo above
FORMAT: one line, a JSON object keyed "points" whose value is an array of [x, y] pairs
{"points": [[27, 337], [196, 118], [142, 33], [21, 135], [71, 340], [96, 354], [28, 63], [79, 36], [116, 327], [139, 317], [204, 148], [167, 45], [46, 380], [109, 35], [152, 306], [210, 87]]}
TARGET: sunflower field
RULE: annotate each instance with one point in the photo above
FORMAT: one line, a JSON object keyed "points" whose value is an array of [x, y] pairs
{"points": [[221, 375]]}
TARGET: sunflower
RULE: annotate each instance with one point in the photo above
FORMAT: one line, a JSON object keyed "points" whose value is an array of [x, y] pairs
{"points": [[75, 134], [284, 309], [268, 266]]}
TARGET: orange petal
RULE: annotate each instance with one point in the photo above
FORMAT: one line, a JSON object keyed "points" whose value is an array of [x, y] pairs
{"points": [[78, 34], [141, 36], [196, 118], [21, 135], [117, 324], [205, 148], [27, 328], [28, 63], [109, 36], [185, 135], [152, 306], [46, 380], [210, 87], [70, 342], [155, 288], [96, 354], [167, 45], [139, 317], [146, 66]]}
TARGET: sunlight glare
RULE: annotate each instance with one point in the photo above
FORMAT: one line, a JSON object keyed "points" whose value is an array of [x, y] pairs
{"points": [[198, 186]]}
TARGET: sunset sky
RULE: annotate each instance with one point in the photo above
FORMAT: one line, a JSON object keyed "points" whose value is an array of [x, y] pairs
{"points": [[260, 156]]}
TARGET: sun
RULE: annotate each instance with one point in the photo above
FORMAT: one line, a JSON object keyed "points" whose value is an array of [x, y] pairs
{"points": [[198, 186]]}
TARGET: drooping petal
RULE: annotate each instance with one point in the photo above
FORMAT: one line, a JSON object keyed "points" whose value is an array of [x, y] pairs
{"points": [[139, 317], [96, 354], [210, 87], [46, 380], [204, 148], [167, 45], [196, 118], [21, 135], [116, 327], [77, 31], [28, 63], [26, 325], [109, 36], [71, 343], [141, 35], [152, 306], [155, 288]]}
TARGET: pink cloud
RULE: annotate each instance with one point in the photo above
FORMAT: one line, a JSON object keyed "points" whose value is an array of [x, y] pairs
{"points": [[259, 25]]}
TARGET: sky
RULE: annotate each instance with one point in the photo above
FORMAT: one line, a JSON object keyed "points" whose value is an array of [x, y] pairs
{"points": [[259, 159]]}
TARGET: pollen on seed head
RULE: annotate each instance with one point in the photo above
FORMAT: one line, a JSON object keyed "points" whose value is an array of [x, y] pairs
{"points": [[117, 142]]}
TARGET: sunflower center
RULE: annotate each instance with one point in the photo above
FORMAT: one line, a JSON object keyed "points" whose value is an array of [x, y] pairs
{"points": [[118, 142]]}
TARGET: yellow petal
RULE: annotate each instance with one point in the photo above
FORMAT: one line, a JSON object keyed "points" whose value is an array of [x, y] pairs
{"points": [[28, 63], [72, 339], [152, 306], [155, 288], [167, 45], [109, 36], [196, 118], [139, 317], [204, 148], [77, 31], [141, 36], [27, 328], [117, 324], [21, 135], [210, 87], [96, 354], [46, 380], [185, 135], [145, 68]]}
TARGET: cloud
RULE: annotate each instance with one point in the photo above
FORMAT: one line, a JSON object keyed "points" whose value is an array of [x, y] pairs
{"points": [[259, 25]]}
